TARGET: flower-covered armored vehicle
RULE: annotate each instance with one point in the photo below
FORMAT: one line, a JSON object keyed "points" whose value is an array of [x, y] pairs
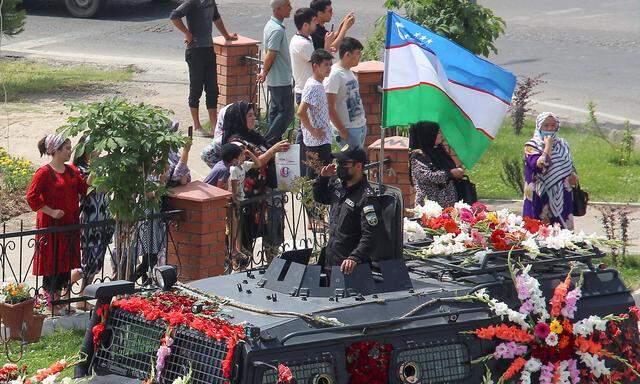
{"points": [[476, 296]]}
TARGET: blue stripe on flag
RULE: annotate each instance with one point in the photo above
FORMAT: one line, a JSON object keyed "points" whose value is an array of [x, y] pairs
{"points": [[461, 66]]}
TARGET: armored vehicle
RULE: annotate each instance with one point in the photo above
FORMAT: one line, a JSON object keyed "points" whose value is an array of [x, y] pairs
{"points": [[400, 311]]}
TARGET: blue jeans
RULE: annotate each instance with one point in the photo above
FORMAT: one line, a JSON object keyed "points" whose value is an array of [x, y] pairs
{"points": [[356, 137], [280, 112]]}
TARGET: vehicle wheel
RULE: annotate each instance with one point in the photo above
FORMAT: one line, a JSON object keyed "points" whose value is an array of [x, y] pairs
{"points": [[84, 8]]}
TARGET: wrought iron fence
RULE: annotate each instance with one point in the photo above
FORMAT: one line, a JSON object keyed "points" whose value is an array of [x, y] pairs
{"points": [[264, 226], [22, 254]]}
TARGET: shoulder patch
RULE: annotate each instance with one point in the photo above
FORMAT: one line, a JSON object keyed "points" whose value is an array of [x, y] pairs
{"points": [[350, 203], [370, 215]]}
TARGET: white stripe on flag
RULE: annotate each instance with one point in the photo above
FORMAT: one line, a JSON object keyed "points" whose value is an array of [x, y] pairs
{"points": [[411, 65]]}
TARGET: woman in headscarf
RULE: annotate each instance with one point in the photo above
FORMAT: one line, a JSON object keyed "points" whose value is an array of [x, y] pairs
{"points": [[549, 174], [263, 218], [54, 194], [432, 170]]}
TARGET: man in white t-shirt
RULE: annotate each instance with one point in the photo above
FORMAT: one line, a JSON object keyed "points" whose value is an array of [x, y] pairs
{"points": [[313, 111], [343, 93]]}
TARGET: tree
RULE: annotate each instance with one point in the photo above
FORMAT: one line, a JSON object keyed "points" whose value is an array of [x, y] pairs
{"points": [[471, 25], [12, 19], [134, 142]]}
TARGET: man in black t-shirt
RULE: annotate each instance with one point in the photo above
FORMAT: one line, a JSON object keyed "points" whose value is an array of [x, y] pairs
{"points": [[329, 40], [199, 55]]}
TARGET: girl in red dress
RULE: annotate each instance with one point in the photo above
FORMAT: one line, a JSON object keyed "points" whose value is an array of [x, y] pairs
{"points": [[54, 194]]}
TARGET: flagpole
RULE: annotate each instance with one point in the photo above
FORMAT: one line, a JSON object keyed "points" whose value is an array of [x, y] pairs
{"points": [[381, 160]]}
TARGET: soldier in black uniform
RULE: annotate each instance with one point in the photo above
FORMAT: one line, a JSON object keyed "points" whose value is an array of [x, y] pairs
{"points": [[354, 218]]}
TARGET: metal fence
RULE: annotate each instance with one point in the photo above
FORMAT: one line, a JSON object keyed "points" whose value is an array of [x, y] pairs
{"points": [[264, 226], [21, 252]]}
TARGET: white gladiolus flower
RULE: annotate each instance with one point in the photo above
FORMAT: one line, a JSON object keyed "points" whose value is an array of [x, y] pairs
{"points": [[430, 209], [412, 231]]}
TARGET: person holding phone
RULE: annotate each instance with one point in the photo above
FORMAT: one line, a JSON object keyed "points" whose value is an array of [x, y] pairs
{"points": [[322, 38]]}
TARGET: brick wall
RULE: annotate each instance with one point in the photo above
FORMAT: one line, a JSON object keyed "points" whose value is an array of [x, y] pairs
{"points": [[396, 148], [200, 234], [236, 76]]}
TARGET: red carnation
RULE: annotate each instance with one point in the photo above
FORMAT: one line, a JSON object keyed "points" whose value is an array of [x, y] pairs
{"points": [[284, 374]]}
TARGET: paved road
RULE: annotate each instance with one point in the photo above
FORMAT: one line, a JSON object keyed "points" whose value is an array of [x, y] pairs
{"points": [[589, 48]]}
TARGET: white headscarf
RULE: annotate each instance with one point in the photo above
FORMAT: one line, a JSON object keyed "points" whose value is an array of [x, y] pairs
{"points": [[53, 142], [560, 165]]}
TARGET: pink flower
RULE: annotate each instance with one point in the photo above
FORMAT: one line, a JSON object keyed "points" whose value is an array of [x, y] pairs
{"points": [[466, 216], [526, 307], [478, 238], [570, 303], [162, 354], [541, 330], [521, 287], [479, 207], [544, 231], [574, 373], [546, 373], [509, 350]]}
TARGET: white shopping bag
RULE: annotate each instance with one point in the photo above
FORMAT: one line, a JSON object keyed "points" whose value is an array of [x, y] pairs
{"points": [[288, 166]]}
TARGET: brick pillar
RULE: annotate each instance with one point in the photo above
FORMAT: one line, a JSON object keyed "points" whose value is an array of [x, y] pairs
{"points": [[396, 148], [200, 234], [369, 74], [236, 76]]}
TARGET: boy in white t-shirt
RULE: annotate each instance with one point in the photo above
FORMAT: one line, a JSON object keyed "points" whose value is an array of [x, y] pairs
{"points": [[313, 111], [343, 92], [300, 50]]}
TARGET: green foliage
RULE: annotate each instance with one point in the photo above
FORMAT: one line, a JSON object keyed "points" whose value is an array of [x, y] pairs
{"points": [[51, 348], [626, 145], [623, 149], [22, 77], [471, 25], [134, 142], [603, 180], [12, 19]]}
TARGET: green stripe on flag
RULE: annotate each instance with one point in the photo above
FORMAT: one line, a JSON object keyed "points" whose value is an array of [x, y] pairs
{"points": [[427, 103]]}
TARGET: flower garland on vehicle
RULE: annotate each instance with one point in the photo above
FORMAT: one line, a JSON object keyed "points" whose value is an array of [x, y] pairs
{"points": [[466, 229], [368, 362], [103, 312], [176, 310], [551, 344]]}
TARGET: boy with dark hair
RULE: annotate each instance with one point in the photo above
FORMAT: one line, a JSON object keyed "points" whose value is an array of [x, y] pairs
{"points": [[322, 38], [343, 93], [301, 49], [313, 111], [220, 172]]}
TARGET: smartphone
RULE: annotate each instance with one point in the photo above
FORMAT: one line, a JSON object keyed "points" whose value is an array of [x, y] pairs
{"points": [[190, 131], [332, 25]]}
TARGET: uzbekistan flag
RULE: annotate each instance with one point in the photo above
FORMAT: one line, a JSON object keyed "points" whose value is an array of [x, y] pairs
{"points": [[430, 78]]}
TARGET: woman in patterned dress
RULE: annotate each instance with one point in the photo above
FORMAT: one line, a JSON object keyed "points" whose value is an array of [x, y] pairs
{"points": [[94, 241], [433, 172], [549, 174]]}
